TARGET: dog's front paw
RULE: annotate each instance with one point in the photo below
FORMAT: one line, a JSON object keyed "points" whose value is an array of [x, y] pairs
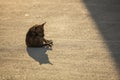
{"points": [[50, 42]]}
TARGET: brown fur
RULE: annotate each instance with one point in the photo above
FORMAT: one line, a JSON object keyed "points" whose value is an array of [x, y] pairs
{"points": [[35, 37]]}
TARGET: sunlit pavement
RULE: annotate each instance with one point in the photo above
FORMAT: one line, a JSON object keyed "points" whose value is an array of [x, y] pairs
{"points": [[79, 51]]}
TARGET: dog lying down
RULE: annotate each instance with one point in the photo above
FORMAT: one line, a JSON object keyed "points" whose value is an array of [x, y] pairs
{"points": [[35, 37]]}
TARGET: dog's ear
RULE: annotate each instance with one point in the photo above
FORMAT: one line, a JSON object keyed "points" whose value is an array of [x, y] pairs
{"points": [[43, 24]]}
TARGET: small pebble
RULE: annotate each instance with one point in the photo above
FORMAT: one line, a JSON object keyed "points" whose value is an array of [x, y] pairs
{"points": [[26, 15]]}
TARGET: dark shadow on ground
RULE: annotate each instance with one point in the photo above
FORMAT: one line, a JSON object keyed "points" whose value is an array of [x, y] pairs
{"points": [[39, 54], [106, 14]]}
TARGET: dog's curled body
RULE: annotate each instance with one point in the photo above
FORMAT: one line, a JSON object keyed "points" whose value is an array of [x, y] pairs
{"points": [[35, 37]]}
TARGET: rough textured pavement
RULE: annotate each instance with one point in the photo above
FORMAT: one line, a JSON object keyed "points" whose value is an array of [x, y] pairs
{"points": [[80, 51]]}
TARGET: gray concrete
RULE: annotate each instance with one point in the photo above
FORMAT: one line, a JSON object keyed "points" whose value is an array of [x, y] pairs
{"points": [[80, 51]]}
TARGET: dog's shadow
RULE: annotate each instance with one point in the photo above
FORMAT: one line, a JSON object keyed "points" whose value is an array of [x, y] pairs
{"points": [[39, 54]]}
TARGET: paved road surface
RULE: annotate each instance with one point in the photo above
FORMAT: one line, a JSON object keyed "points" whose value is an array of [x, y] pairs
{"points": [[79, 53]]}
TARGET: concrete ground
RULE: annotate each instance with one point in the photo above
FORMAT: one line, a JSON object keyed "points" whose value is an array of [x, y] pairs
{"points": [[79, 53]]}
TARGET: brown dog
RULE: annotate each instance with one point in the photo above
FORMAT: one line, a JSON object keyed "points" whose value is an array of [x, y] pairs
{"points": [[35, 37]]}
